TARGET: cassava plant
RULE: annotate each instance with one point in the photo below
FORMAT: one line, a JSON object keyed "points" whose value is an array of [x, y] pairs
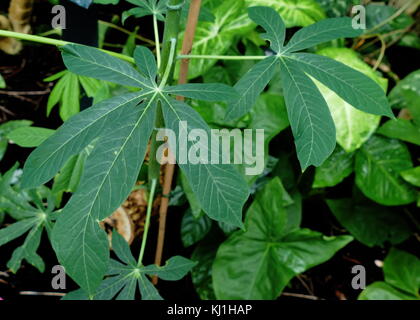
{"points": [[118, 131]]}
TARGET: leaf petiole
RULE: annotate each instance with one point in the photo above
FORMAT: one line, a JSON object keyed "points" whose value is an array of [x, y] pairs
{"points": [[157, 40], [169, 64], [196, 56], [55, 42], [147, 223]]}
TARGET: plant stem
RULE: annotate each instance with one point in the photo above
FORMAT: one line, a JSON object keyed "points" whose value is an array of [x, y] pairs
{"points": [[169, 64], [196, 56], [157, 40], [170, 37], [147, 223], [192, 20], [55, 42], [128, 32], [171, 31]]}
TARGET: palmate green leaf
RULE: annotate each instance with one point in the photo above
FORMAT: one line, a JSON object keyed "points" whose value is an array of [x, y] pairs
{"points": [[107, 180], [320, 32], [295, 13], [250, 86], [219, 188], [30, 136], [146, 8], [91, 62], [335, 169], [259, 262], [66, 92], [204, 91], [354, 127], [309, 116], [378, 164], [269, 19], [124, 278], [352, 86], [28, 208], [28, 250], [72, 137], [412, 176], [371, 224], [402, 279]]}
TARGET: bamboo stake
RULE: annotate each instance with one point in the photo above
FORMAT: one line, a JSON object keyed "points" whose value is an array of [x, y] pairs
{"points": [[193, 14]]}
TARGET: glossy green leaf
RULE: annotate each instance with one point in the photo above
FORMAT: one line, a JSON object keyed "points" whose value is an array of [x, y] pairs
{"points": [[72, 137], [372, 225], [219, 188], [250, 87], [354, 127], [29, 136], [402, 279], [378, 164], [295, 13], [335, 169], [91, 62], [402, 270], [401, 129], [310, 119], [406, 94], [320, 32], [107, 180], [383, 291], [204, 91], [204, 254], [274, 26], [259, 262], [412, 176], [194, 229]]}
